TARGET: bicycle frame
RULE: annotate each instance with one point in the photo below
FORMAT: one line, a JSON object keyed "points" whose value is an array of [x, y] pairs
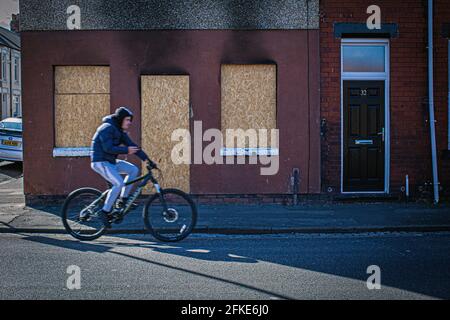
{"points": [[145, 179]]}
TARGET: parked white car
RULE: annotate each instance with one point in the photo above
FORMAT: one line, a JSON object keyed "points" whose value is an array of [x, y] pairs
{"points": [[11, 139]]}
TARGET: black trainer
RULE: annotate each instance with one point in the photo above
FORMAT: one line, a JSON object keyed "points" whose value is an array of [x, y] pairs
{"points": [[118, 217]]}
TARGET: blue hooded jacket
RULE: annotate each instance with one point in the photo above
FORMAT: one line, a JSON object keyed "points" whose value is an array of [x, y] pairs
{"points": [[110, 140]]}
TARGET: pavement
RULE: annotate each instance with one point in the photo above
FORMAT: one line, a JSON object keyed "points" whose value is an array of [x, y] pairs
{"points": [[243, 219]]}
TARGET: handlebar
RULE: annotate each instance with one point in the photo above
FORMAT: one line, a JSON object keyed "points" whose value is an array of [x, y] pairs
{"points": [[151, 165]]}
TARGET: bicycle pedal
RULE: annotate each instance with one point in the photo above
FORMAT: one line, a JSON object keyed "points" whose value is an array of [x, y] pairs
{"points": [[118, 218], [84, 219]]}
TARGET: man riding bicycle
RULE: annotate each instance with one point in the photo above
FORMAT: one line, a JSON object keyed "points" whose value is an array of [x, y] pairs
{"points": [[110, 140]]}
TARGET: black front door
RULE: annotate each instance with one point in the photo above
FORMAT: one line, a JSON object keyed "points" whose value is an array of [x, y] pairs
{"points": [[364, 135]]}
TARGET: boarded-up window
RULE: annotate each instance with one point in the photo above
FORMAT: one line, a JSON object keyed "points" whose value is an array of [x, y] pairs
{"points": [[81, 100], [165, 108], [248, 100]]}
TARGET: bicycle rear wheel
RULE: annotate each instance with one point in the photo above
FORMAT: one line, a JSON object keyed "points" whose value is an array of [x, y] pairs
{"points": [[175, 223], [81, 219]]}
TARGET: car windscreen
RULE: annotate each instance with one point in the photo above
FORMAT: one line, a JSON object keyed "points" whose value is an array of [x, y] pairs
{"points": [[13, 126]]}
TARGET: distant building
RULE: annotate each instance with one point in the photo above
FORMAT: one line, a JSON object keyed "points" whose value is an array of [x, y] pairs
{"points": [[10, 79]]}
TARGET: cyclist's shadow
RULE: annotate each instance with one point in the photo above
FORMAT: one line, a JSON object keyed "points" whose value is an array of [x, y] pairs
{"points": [[68, 244], [185, 248]]}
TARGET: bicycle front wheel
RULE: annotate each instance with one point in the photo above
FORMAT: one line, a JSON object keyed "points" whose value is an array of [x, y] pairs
{"points": [[175, 223], [80, 214]]}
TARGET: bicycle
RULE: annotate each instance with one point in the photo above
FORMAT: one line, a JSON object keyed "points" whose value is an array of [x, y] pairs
{"points": [[169, 215]]}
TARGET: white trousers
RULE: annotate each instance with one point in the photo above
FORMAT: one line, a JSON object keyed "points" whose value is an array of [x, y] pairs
{"points": [[111, 172]]}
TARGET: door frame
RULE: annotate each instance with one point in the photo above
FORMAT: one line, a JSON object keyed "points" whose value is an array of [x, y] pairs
{"points": [[383, 76]]}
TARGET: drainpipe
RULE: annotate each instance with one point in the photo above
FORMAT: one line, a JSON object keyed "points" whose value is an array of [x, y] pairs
{"points": [[431, 102], [448, 99]]}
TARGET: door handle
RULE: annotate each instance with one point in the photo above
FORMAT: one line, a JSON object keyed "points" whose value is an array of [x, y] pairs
{"points": [[382, 134]]}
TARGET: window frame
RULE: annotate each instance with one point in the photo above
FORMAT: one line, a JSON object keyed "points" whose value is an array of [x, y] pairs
{"points": [[15, 69], [16, 105], [1, 65], [73, 151], [5, 103], [4, 65], [349, 57], [273, 149], [370, 43]]}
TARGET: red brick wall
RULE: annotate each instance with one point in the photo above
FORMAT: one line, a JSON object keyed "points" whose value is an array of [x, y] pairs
{"points": [[410, 148]]}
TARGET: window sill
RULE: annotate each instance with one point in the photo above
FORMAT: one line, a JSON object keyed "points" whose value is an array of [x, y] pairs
{"points": [[249, 152], [71, 152]]}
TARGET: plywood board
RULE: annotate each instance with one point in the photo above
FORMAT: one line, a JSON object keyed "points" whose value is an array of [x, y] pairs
{"points": [[77, 117], [248, 98], [81, 79], [165, 108]]}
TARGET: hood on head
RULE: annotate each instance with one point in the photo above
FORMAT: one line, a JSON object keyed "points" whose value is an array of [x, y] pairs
{"points": [[109, 119], [117, 117]]}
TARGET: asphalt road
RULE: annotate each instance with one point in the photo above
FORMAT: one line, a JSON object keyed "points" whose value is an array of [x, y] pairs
{"points": [[413, 266]]}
